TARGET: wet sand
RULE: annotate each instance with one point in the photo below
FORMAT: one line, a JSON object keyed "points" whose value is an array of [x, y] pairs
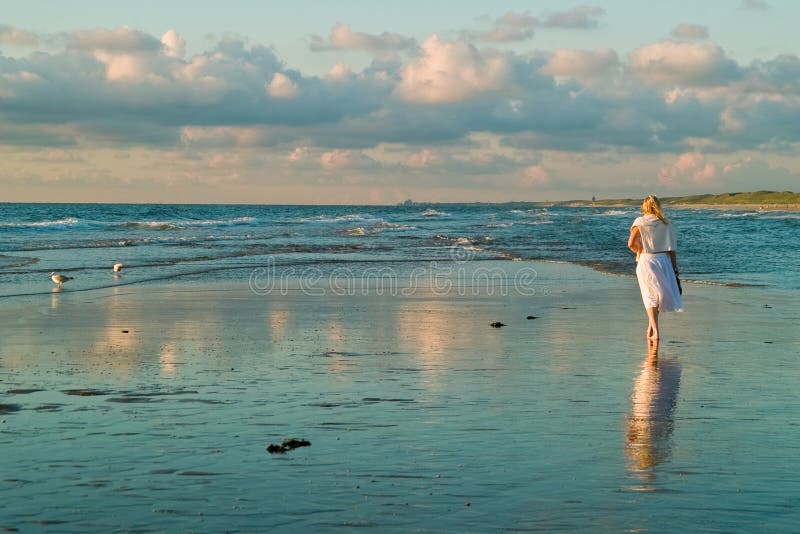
{"points": [[150, 408]]}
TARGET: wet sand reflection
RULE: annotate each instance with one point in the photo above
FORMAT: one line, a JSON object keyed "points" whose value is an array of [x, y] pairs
{"points": [[650, 425]]}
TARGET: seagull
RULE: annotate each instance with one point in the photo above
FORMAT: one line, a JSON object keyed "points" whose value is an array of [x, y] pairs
{"points": [[118, 267], [59, 278]]}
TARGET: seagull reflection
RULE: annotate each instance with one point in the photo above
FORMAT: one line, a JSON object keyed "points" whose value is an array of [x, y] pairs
{"points": [[651, 421], [54, 297]]}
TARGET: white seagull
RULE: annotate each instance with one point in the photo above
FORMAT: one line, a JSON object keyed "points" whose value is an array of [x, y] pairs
{"points": [[118, 267], [59, 278]]}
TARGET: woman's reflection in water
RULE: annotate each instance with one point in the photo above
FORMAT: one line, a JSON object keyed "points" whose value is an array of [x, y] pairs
{"points": [[651, 421]]}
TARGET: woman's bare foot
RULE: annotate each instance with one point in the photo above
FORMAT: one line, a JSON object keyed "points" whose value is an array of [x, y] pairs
{"points": [[652, 333]]}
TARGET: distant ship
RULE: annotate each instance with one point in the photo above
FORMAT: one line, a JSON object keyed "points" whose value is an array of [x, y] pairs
{"points": [[407, 202]]}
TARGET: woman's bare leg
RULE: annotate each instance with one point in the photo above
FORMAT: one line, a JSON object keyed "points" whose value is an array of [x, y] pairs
{"points": [[652, 327]]}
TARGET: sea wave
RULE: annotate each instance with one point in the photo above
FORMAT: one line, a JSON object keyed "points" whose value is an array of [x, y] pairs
{"points": [[66, 222], [613, 212], [430, 212], [738, 214], [180, 224], [352, 217]]}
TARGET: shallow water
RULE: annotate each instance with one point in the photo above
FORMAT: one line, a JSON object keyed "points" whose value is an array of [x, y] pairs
{"points": [[153, 409]]}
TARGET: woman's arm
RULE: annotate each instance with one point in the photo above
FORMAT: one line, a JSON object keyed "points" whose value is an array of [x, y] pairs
{"points": [[635, 240]]}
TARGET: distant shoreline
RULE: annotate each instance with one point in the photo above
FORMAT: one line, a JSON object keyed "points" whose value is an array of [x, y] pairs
{"points": [[753, 200], [684, 205]]}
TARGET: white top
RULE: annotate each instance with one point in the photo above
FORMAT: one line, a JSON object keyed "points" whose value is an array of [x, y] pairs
{"points": [[656, 236]]}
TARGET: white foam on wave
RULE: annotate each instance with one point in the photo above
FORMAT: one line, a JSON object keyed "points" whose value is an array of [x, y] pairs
{"points": [[614, 212], [738, 214], [434, 213], [65, 222], [212, 222], [395, 226], [354, 217]]}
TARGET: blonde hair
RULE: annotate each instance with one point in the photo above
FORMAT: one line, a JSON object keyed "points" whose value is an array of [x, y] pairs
{"points": [[651, 205]]}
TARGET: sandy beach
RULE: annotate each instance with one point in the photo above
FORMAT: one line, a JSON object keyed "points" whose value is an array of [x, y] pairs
{"points": [[150, 407]]}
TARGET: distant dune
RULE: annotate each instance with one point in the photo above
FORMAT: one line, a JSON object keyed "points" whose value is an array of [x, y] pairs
{"points": [[754, 199]]}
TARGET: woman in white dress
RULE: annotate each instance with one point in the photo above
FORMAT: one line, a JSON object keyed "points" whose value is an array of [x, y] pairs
{"points": [[653, 241]]}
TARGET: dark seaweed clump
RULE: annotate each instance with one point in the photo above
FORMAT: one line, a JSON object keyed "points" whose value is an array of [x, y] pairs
{"points": [[287, 445]]}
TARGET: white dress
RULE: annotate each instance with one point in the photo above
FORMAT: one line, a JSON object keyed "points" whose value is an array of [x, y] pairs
{"points": [[653, 268]]}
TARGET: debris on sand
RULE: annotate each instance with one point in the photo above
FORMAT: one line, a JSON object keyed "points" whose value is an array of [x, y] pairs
{"points": [[497, 324], [287, 445]]}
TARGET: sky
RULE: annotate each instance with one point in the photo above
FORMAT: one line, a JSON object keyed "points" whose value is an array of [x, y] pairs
{"points": [[364, 102]]}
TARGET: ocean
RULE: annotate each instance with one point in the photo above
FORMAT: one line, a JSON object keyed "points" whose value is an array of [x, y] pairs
{"points": [[225, 243]]}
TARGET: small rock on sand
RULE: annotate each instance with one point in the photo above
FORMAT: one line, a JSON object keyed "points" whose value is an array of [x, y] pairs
{"points": [[497, 324]]}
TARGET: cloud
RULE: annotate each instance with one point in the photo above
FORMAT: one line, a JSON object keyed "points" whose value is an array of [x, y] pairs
{"points": [[423, 158], [535, 176], [510, 27], [173, 44], [581, 17], [755, 5], [339, 72], [335, 160], [281, 87], [298, 153], [141, 90], [690, 167], [121, 39], [739, 176], [581, 63], [452, 71], [686, 30], [16, 37], [343, 38], [681, 63]]}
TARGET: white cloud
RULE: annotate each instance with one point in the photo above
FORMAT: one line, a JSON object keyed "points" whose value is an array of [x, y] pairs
{"points": [[299, 153], [691, 168], [343, 38], [452, 71], [681, 63], [686, 30], [281, 87], [581, 63], [581, 17], [174, 45], [339, 72]]}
